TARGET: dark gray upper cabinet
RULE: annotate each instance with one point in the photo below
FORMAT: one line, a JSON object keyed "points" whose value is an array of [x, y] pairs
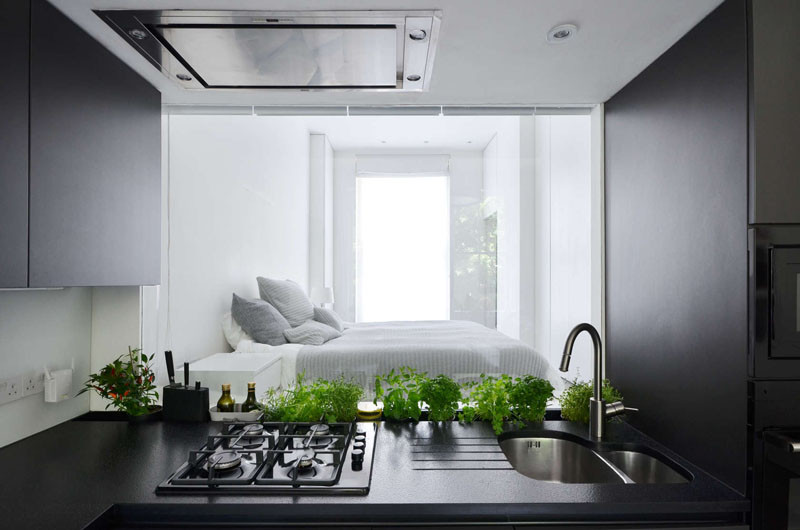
{"points": [[774, 115], [14, 38], [95, 162]]}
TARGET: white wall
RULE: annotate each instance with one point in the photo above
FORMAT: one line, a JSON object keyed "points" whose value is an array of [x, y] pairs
{"points": [[344, 234], [320, 212], [236, 207], [38, 327], [115, 327]]}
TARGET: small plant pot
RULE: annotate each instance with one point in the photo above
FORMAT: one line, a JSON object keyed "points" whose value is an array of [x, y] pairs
{"points": [[154, 414]]}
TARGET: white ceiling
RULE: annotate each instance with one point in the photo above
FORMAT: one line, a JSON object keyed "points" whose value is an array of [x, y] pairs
{"points": [[420, 133], [489, 52]]}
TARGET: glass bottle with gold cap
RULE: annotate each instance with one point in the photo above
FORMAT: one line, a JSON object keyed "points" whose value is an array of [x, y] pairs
{"points": [[250, 403], [226, 402]]}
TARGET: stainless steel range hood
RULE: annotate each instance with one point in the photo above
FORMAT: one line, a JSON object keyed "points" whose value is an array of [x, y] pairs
{"points": [[301, 50]]}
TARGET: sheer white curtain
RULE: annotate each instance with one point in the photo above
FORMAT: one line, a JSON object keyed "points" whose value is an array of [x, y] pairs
{"points": [[402, 239]]}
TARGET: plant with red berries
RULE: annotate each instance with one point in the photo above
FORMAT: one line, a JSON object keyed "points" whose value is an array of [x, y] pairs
{"points": [[128, 382]]}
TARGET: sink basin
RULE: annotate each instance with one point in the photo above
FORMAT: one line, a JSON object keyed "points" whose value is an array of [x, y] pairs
{"points": [[563, 458], [643, 468], [558, 460]]}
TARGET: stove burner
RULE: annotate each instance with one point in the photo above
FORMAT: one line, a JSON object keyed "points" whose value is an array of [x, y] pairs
{"points": [[305, 463], [224, 461], [250, 437], [320, 429], [253, 429]]}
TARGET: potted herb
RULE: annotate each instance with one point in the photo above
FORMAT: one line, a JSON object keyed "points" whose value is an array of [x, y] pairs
{"points": [[400, 393], [528, 396], [331, 401], [128, 382], [575, 400], [500, 399], [441, 395]]}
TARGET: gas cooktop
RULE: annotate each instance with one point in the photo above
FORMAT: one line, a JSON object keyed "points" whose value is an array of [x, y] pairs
{"points": [[279, 458]]}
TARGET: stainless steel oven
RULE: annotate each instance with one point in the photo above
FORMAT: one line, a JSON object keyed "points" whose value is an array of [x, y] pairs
{"points": [[781, 495], [775, 421]]}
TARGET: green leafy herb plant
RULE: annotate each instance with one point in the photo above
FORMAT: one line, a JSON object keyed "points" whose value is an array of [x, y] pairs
{"points": [[128, 382], [528, 396], [400, 393], [575, 400], [442, 395], [322, 400], [489, 401], [501, 399]]}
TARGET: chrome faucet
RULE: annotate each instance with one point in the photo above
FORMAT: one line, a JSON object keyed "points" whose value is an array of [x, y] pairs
{"points": [[598, 409]]}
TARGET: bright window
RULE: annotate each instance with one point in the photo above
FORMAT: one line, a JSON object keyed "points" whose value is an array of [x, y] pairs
{"points": [[402, 248]]}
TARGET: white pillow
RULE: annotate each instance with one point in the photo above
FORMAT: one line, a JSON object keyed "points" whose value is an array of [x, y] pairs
{"points": [[234, 333]]}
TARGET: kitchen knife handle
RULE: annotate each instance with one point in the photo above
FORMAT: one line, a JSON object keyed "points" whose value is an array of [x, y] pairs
{"points": [[170, 367]]}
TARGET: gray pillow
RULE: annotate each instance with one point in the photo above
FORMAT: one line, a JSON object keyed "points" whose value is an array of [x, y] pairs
{"points": [[260, 320], [311, 332], [329, 318], [288, 298]]}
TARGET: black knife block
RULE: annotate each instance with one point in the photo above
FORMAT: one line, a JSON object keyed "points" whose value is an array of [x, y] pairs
{"points": [[182, 403]]}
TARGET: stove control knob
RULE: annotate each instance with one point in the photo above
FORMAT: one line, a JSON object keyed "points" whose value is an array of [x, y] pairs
{"points": [[359, 445], [361, 433], [357, 465], [357, 455], [360, 436]]}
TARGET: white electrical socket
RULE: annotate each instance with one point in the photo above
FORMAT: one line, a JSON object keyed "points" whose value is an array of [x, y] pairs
{"points": [[32, 383], [15, 388], [10, 389]]}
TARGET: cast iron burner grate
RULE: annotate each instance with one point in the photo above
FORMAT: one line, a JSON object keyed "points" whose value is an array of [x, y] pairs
{"points": [[279, 458]]}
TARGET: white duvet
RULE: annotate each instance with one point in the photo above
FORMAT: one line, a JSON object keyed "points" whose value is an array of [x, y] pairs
{"points": [[462, 350]]}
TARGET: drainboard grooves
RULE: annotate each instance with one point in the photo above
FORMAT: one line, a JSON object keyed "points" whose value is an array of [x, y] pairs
{"points": [[478, 453], [462, 457], [462, 465]]}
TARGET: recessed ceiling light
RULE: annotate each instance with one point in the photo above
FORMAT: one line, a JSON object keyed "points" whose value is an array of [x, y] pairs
{"points": [[184, 77], [413, 77], [138, 34], [561, 33], [417, 34]]}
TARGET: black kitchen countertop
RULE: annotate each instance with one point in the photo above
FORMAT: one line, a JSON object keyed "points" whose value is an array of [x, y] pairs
{"points": [[79, 471]]}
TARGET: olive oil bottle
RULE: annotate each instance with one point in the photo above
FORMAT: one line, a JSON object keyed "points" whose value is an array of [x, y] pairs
{"points": [[226, 402], [250, 403]]}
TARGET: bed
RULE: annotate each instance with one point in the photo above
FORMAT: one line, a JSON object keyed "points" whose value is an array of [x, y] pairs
{"points": [[462, 350]]}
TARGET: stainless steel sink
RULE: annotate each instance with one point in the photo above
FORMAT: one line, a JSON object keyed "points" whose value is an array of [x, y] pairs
{"points": [[643, 468], [555, 457], [557, 460]]}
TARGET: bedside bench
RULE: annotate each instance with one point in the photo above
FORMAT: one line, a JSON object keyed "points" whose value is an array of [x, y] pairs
{"points": [[237, 369]]}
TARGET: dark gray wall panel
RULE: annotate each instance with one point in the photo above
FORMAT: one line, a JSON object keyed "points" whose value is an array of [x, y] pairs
{"points": [[676, 236], [95, 162], [14, 38], [775, 121]]}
